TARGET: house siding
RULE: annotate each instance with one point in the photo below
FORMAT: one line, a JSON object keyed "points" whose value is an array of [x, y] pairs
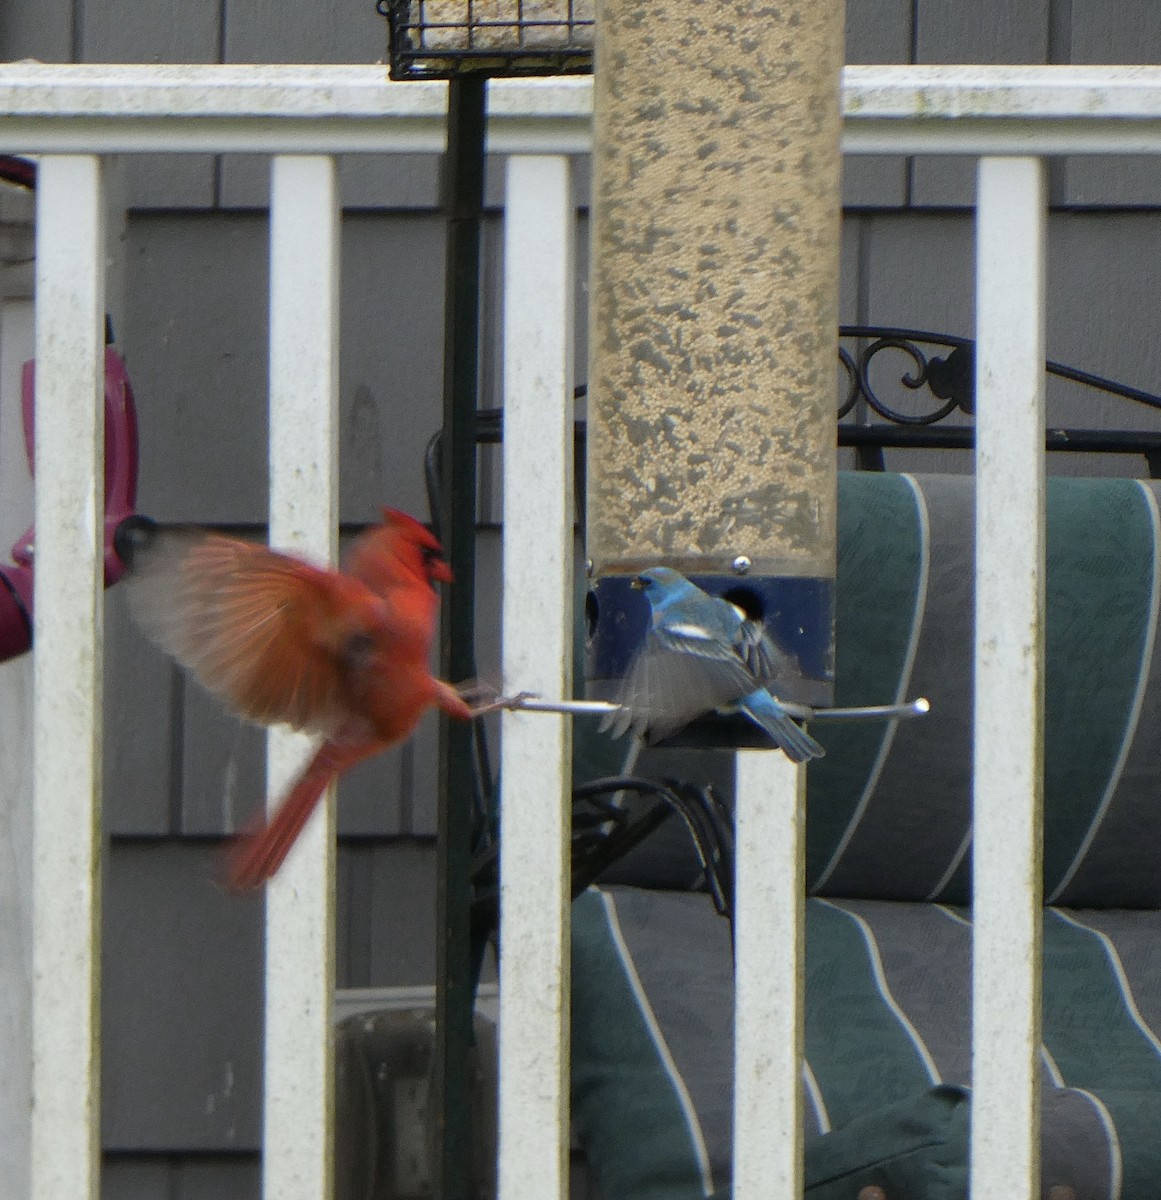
{"points": [[183, 961]]}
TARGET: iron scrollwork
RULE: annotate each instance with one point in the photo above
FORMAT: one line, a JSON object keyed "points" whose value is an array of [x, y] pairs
{"points": [[949, 378], [941, 364], [944, 365]]}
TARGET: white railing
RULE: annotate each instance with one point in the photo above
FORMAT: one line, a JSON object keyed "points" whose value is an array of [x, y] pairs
{"points": [[303, 116]]}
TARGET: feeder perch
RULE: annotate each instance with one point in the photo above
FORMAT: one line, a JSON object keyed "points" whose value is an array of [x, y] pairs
{"points": [[443, 39]]}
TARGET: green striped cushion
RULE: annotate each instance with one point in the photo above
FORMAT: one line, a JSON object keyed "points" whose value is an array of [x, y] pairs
{"points": [[887, 999], [888, 809]]}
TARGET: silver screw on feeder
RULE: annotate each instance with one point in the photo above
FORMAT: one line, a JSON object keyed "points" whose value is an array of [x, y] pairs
{"points": [[742, 564]]}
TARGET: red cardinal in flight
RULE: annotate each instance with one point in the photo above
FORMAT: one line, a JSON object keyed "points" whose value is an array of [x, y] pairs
{"points": [[341, 653]]}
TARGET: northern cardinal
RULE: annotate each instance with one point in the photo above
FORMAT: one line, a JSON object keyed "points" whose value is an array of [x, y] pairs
{"points": [[341, 653], [701, 653]]}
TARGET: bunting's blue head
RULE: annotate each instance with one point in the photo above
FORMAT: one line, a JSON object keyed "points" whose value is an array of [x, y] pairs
{"points": [[658, 583]]}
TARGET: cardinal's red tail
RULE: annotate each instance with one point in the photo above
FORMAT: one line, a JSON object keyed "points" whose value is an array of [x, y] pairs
{"points": [[261, 847]]}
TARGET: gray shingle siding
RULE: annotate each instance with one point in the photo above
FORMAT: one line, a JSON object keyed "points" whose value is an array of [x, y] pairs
{"points": [[183, 961]]}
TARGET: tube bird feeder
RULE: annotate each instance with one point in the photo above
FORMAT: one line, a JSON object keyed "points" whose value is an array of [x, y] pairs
{"points": [[716, 210]]}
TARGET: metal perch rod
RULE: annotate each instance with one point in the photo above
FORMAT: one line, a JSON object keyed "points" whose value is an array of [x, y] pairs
{"points": [[530, 702]]}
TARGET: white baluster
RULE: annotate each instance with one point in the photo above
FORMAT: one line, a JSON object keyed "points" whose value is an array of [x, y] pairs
{"points": [[300, 955], [536, 748], [67, 671], [769, 959], [1009, 680]]}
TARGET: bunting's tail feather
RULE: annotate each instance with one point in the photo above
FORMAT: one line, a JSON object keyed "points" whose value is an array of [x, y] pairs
{"points": [[794, 741]]}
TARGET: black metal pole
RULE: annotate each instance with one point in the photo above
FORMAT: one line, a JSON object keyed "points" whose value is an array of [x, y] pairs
{"points": [[463, 189]]}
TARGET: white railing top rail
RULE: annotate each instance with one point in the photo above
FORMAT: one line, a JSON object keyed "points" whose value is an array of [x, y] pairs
{"points": [[97, 108]]}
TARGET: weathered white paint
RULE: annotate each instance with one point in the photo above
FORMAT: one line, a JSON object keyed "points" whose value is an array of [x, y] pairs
{"points": [[300, 953], [964, 110], [536, 748], [1009, 678], [769, 957], [289, 109], [329, 109], [70, 414], [16, 334]]}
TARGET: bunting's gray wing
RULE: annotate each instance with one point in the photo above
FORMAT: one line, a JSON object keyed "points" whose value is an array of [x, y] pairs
{"points": [[765, 659], [678, 675]]}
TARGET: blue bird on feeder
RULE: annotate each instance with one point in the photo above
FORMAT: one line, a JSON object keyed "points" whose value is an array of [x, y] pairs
{"points": [[701, 654]]}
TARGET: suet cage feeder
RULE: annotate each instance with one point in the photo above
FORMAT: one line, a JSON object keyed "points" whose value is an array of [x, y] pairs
{"points": [[445, 39]]}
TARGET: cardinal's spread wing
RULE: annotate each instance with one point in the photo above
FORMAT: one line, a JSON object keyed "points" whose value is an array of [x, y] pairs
{"points": [[682, 671], [269, 634]]}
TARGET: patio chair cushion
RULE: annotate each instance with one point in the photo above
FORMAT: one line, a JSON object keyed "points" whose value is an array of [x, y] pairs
{"points": [[887, 1020], [917, 1147], [888, 810]]}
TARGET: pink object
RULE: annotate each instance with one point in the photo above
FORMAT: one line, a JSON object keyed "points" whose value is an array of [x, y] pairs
{"points": [[15, 611], [16, 582]]}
